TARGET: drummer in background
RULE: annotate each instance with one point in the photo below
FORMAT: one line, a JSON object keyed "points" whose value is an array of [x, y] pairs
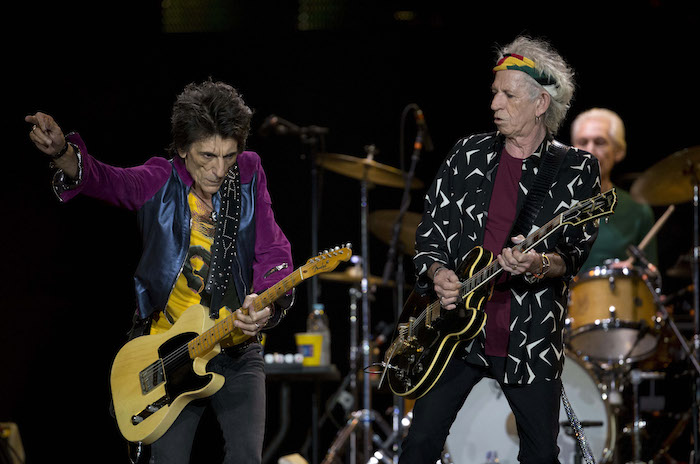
{"points": [[601, 132]]}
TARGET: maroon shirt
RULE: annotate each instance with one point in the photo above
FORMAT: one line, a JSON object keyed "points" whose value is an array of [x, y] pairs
{"points": [[498, 224]]}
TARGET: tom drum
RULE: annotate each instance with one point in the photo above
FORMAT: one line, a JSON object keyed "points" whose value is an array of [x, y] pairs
{"points": [[611, 315]]}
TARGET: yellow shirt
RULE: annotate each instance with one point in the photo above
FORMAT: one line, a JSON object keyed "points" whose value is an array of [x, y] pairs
{"points": [[193, 276]]}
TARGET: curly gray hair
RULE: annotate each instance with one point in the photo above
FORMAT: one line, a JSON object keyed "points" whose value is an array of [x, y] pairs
{"points": [[549, 63]]}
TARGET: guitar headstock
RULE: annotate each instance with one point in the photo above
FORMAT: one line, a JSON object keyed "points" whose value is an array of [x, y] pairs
{"points": [[598, 206], [327, 260]]}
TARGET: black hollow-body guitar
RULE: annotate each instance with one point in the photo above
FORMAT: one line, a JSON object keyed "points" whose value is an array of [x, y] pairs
{"points": [[426, 335]]}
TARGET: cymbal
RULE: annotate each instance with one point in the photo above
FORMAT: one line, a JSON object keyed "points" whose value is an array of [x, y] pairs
{"points": [[381, 224], [361, 168], [669, 181], [353, 275]]}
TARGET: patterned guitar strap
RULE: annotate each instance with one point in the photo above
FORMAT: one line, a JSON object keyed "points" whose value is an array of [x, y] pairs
{"points": [[577, 429], [548, 169], [224, 246]]}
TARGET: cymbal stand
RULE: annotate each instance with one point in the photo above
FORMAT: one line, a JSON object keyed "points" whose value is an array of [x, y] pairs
{"points": [[694, 171], [310, 137], [354, 294], [364, 292], [365, 416]]}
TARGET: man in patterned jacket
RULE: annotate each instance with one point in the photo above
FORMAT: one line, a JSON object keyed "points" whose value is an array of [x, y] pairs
{"points": [[474, 201]]}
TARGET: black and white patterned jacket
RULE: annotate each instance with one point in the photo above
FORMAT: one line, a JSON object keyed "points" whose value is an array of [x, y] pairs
{"points": [[454, 221]]}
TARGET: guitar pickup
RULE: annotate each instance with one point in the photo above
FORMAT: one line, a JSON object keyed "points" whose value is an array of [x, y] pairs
{"points": [[152, 376]]}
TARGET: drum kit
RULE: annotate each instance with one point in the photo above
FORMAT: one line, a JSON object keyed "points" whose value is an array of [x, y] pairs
{"points": [[619, 334]]}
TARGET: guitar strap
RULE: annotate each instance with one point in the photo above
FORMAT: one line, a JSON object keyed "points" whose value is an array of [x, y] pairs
{"points": [[577, 429], [224, 246], [547, 172]]}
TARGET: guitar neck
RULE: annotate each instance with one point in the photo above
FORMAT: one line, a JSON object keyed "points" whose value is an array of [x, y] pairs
{"points": [[205, 342], [494, 269]]}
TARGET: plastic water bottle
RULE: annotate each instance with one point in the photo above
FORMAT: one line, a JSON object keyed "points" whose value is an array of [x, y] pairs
{"points": [[318, 322]]}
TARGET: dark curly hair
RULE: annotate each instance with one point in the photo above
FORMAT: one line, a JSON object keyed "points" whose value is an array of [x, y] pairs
{"points": [[209, 109]]}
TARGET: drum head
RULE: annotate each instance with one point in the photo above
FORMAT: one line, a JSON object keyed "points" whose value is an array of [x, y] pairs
{"points": [[485, 427]]}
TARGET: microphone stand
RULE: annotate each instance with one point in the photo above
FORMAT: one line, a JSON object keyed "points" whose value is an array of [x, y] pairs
{"points": [[311, 142], [310, 137], [398, 409]]}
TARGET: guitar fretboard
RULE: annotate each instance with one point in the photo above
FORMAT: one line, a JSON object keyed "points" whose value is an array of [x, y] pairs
{"points": [[602, 204], [494, 269], [205, 342]]}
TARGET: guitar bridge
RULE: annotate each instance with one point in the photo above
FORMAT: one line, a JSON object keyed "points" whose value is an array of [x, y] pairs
{"points": [[150, 410], [152, 376]]}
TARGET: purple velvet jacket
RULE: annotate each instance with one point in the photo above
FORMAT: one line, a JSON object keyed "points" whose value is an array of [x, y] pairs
{"points": [[157, 191]]}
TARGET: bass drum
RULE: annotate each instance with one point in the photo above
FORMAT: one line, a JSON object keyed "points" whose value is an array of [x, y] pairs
{"points": [[485, 430]]}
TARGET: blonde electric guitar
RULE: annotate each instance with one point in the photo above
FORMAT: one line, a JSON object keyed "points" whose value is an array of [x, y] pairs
{"points": [[154, 377]]}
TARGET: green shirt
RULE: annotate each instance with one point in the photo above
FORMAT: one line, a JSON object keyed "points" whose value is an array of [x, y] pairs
{"points": [[628, 226]]}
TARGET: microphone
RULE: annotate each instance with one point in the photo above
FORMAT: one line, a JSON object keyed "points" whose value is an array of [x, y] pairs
{"points": [[639, 255], [274, 125], [423, 127]]}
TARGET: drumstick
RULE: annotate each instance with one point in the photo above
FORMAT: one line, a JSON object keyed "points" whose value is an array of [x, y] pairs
{"points": [[655, 228]]}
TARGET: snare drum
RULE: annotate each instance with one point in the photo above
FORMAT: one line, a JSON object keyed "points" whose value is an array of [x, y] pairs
{"points": [[611, 315], [485, 426]]}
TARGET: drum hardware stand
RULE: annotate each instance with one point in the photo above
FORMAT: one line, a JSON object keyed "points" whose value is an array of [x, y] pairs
{"points": [[636, 379], [672, 437], [691, 353], [569, 430], [694, 171]]}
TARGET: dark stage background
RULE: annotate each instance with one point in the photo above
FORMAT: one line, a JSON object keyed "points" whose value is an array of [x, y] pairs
{"points": [[111, 71]]}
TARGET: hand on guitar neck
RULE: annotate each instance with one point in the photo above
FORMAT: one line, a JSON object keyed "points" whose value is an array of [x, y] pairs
{"points": [[516, 263], [446, 284], [249, 319]]}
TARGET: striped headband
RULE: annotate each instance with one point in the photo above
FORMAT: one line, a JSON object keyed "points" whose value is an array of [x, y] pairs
{"points": [[524, 64]]}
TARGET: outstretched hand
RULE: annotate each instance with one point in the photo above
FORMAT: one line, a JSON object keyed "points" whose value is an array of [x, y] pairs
{"points": [[45, 133]]}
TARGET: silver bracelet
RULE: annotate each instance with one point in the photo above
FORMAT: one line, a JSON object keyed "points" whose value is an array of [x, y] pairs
{"points": [[438, 270]]}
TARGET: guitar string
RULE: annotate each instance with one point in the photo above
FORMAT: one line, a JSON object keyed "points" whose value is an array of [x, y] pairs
{"points": [[491, 270], [177, 353], [530, 241]]}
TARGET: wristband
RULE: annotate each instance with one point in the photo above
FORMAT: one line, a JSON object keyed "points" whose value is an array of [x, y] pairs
{"points": [[545, 266], [532, 278], [60, 153]]}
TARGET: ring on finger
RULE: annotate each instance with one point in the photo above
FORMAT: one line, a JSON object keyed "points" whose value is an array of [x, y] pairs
{"points": [[256, 325]]}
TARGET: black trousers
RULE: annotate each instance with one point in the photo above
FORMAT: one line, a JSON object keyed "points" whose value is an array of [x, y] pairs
{"points": [[535, 407]]}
